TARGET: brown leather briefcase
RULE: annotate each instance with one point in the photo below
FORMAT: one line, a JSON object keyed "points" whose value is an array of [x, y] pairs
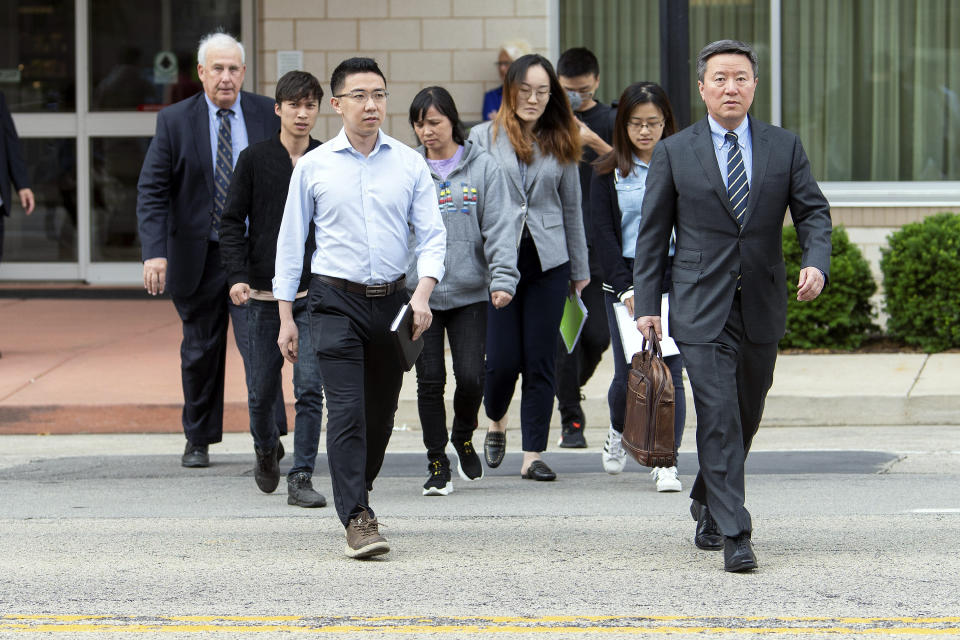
{"points": [[648, 426]]}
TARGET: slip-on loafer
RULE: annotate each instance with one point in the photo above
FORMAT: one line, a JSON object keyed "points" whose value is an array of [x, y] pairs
{"points": [[707, 536], [738, 554], [538, 470], [494, 448]]}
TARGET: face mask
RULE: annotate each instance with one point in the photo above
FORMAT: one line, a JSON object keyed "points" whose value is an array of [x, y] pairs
{"points": [[575, 100]]}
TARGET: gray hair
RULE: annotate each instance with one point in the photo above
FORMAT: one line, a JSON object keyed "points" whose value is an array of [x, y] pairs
{"points": [[218, 41], [726, 46]]}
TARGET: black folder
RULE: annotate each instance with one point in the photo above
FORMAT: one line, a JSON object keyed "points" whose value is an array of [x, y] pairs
{"points": [[402, 329]]}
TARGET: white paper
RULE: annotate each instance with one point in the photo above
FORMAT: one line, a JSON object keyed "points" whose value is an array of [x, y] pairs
{"points": [[632, 339]]}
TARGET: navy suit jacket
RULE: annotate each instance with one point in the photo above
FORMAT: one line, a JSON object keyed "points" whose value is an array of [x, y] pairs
{"points": [[175, 190], [685, 189], [12, 168]]}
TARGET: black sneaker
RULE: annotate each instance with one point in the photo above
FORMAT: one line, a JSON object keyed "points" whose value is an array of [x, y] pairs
{"points": [[468, 462], [267, 471], [571, 436], [300, 492], [438, 484]]}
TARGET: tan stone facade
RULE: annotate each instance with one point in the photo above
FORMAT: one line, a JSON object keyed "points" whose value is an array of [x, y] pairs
{"points": [[452, 43], [417, 43]]}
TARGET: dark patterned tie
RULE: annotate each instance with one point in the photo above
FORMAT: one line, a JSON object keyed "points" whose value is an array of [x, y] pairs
{"points": [[224, 166], [737, 188]]}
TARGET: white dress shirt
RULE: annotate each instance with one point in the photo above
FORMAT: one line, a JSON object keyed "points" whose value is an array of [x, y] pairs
{"points": [[363, 209]]}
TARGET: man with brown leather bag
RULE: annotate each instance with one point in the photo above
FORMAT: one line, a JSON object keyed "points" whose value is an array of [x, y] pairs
{"points": [[725, 183]]}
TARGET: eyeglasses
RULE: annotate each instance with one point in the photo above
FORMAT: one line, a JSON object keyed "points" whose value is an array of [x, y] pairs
{"points": [[525, 93], [361, 97], [644, 124]]}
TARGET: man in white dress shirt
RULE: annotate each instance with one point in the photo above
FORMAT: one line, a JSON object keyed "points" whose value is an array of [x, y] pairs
{"points": [[364, 191]]}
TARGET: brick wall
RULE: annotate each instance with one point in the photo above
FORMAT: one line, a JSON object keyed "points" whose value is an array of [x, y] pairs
{"points": [[417, 43]]}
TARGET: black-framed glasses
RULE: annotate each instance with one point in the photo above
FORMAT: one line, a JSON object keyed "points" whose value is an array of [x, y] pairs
{"points": [[361, 97]]}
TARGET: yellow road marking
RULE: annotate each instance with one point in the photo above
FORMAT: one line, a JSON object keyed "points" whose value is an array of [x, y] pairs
{"points": [[483, 625]]}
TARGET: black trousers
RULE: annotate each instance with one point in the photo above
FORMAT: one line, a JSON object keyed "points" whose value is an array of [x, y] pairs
{"points": [[205, 315], [466, 329], [730, 377], [362, 375], [522, 340], [575, 368]]}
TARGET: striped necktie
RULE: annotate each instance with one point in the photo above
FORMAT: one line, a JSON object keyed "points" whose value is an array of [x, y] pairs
{"points": [[224, 166], [737, 188]]}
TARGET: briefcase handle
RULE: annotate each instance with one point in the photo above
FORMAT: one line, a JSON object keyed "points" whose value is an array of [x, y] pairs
{"points": [[654, 343]]}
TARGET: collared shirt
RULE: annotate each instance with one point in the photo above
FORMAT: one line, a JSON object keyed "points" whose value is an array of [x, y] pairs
{"points": [[238, 138], [722, 147], [238, 130], [630, 190], [363, 209]]}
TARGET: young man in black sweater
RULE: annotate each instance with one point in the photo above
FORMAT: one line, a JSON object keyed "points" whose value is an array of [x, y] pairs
{"points": [[257, 195], [579, 75]]}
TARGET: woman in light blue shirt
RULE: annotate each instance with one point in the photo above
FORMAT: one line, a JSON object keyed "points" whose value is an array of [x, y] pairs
{"points": [[644, 117]]}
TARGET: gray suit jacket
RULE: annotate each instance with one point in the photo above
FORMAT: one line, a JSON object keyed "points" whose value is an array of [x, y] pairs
{"points": [[685, 188], [550, 204]]}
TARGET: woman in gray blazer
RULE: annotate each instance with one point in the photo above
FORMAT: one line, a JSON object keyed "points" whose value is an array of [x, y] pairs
{"points": [[534, 138]]}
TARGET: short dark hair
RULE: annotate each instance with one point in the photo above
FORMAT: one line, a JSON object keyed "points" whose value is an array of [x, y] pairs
{"points": [[726, 46], [295, 86], [349, 67], [577, 62], [440, 99]]}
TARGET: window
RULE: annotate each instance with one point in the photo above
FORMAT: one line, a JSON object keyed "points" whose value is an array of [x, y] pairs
{"points": [[872, 87]]}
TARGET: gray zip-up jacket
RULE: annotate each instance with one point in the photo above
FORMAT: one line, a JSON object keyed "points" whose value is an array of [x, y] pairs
{"points": [[481, 239]]}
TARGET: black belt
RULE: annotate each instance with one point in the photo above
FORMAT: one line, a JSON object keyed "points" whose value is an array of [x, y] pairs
{"points": [[368, 290]]}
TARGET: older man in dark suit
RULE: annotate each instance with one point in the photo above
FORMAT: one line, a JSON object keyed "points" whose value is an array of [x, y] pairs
{"points": [[182, 190], [725, 184], [12, 169]]}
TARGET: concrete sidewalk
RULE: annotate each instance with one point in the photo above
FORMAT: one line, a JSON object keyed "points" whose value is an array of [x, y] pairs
{"points": [[112, 366]]}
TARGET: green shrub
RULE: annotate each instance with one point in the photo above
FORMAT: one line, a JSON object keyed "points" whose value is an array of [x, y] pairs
{"points": [[841, 317], [921, 280]]}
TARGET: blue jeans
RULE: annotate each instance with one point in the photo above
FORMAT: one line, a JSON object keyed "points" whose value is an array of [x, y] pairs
{"points": [[266, 361]]}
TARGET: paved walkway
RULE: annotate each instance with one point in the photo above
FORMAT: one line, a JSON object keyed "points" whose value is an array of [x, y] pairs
{"points": [[112, 366]]}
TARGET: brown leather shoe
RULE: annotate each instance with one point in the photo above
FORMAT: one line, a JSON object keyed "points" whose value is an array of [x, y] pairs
{"points": [[363, 537]]}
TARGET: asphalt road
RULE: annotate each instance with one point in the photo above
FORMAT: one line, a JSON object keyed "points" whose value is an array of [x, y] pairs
{"points": [[856, 535]]}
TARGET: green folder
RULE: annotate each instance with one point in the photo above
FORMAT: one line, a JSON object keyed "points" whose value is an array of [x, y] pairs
{"points": [[574, 317]]}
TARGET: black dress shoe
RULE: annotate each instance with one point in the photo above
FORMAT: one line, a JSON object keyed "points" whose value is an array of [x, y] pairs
{"points": [[738, 554], [538, 470], [708, 536], [195, 456], [494, 447], [267, 471], [280, 451]]}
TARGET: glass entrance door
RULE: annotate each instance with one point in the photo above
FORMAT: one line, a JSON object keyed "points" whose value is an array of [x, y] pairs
{"points": [[84, 80]]}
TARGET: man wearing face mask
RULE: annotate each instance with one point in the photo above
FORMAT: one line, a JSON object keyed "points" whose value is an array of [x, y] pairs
{"points": [[579, 75]]}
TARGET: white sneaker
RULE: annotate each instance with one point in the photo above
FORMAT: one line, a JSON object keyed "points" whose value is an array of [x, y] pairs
{"points": [[614, 457], [666, 479]]}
